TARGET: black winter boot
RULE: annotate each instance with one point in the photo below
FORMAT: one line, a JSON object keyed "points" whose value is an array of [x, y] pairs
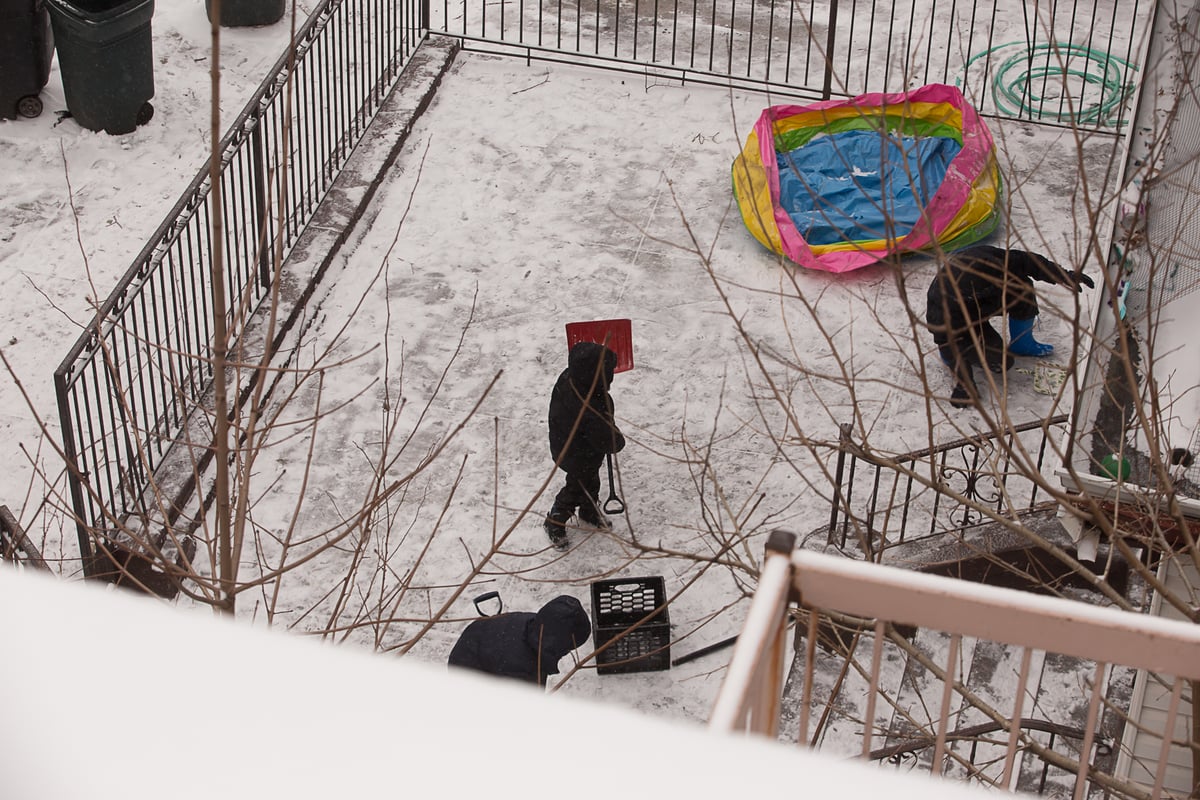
{"points": [[557, 532], [595, 518], [965, 392]]}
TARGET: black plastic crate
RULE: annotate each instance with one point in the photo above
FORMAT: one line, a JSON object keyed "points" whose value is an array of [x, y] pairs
{"points": [[619, 604]]}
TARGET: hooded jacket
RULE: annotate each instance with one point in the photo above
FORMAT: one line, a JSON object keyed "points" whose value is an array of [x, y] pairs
{"points": [[523, 645], [581, 393], [991, 281]]}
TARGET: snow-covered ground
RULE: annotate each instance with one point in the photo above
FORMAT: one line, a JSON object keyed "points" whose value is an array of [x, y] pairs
{"points": [[527, 197]]}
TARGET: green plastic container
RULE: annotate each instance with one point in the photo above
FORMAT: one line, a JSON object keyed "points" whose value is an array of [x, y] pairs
{"points": [[106, 59], [1115, 467], [248, 13]]}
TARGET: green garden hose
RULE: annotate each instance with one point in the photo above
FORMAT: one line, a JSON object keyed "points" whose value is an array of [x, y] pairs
{"points": [[1017, 77]]}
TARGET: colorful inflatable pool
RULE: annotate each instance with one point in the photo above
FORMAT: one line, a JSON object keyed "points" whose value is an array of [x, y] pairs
{"points": [[842, 184]]}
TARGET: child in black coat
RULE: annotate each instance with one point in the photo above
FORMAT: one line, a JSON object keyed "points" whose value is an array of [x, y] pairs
{"points": [[978, 283], [523, 645], [582, 434]]}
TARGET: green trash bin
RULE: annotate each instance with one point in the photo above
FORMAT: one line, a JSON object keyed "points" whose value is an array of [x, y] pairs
{"points": [[248, 13], [26, 50], [106, 59]]}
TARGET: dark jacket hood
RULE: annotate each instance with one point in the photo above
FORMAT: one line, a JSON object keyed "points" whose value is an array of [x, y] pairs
{"points": [[559, 627], [582, 362]]}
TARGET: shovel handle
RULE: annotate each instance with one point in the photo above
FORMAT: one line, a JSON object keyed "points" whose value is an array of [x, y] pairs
{"points": [[483, 598], [613, 505]]}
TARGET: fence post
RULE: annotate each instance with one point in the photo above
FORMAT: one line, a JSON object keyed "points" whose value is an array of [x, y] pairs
{"points": [[830, 39], [74, 474], [259, 171], [844, 431]]}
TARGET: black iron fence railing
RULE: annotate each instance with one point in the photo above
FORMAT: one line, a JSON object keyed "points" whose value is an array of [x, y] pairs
{"points": [[882, 502], [140, 367], [1072, 62]]}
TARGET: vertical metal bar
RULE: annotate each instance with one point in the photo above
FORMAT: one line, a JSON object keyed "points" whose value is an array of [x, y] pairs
{"points": [[1089, 732], [695, 26], [939, 750], [1128, 57], [929, 37], [906, 503], [674, 30], [906, 62], [867, 87], [770, 43], [872, 508], [810, 655], [749, 42], [616, 26], [654, 34], [712, 37], [732, 27], [950, 30], [74, 474], [873, 689], [987, 62], [787, 52], [1168, 735], [637, 19], [847, 517], [849, 42], [838, 472], [770, 690], [1014, 722]]}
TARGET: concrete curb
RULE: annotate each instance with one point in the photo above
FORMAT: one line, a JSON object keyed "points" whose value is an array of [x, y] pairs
{"points": [[344, 207]]}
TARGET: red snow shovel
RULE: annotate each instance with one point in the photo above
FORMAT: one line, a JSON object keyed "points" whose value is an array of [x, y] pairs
{"points": [[616, 335]]}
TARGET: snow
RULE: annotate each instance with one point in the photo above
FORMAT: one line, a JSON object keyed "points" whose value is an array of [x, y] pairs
{"points": [[267, 715], [527, 197]]}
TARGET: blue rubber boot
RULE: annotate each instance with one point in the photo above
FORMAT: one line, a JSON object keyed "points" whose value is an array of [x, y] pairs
{"points": [[1021, 341]]}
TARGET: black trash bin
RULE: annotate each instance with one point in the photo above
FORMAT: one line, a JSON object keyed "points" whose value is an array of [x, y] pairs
{"points": [[248, 13], [26, 50], [106, 59]]}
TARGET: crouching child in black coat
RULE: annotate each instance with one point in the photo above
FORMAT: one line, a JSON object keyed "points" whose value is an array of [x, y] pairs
{"points": [[976, 284], [523, 645], [582, 434]]}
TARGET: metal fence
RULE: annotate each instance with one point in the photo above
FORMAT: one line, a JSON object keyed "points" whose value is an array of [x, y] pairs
{"points": [[127, 385], [1070, 62], [883, 502], [134, 376]]}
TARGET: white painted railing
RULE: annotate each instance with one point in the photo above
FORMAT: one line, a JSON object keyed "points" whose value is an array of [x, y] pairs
{"points": [[818, 584]]}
